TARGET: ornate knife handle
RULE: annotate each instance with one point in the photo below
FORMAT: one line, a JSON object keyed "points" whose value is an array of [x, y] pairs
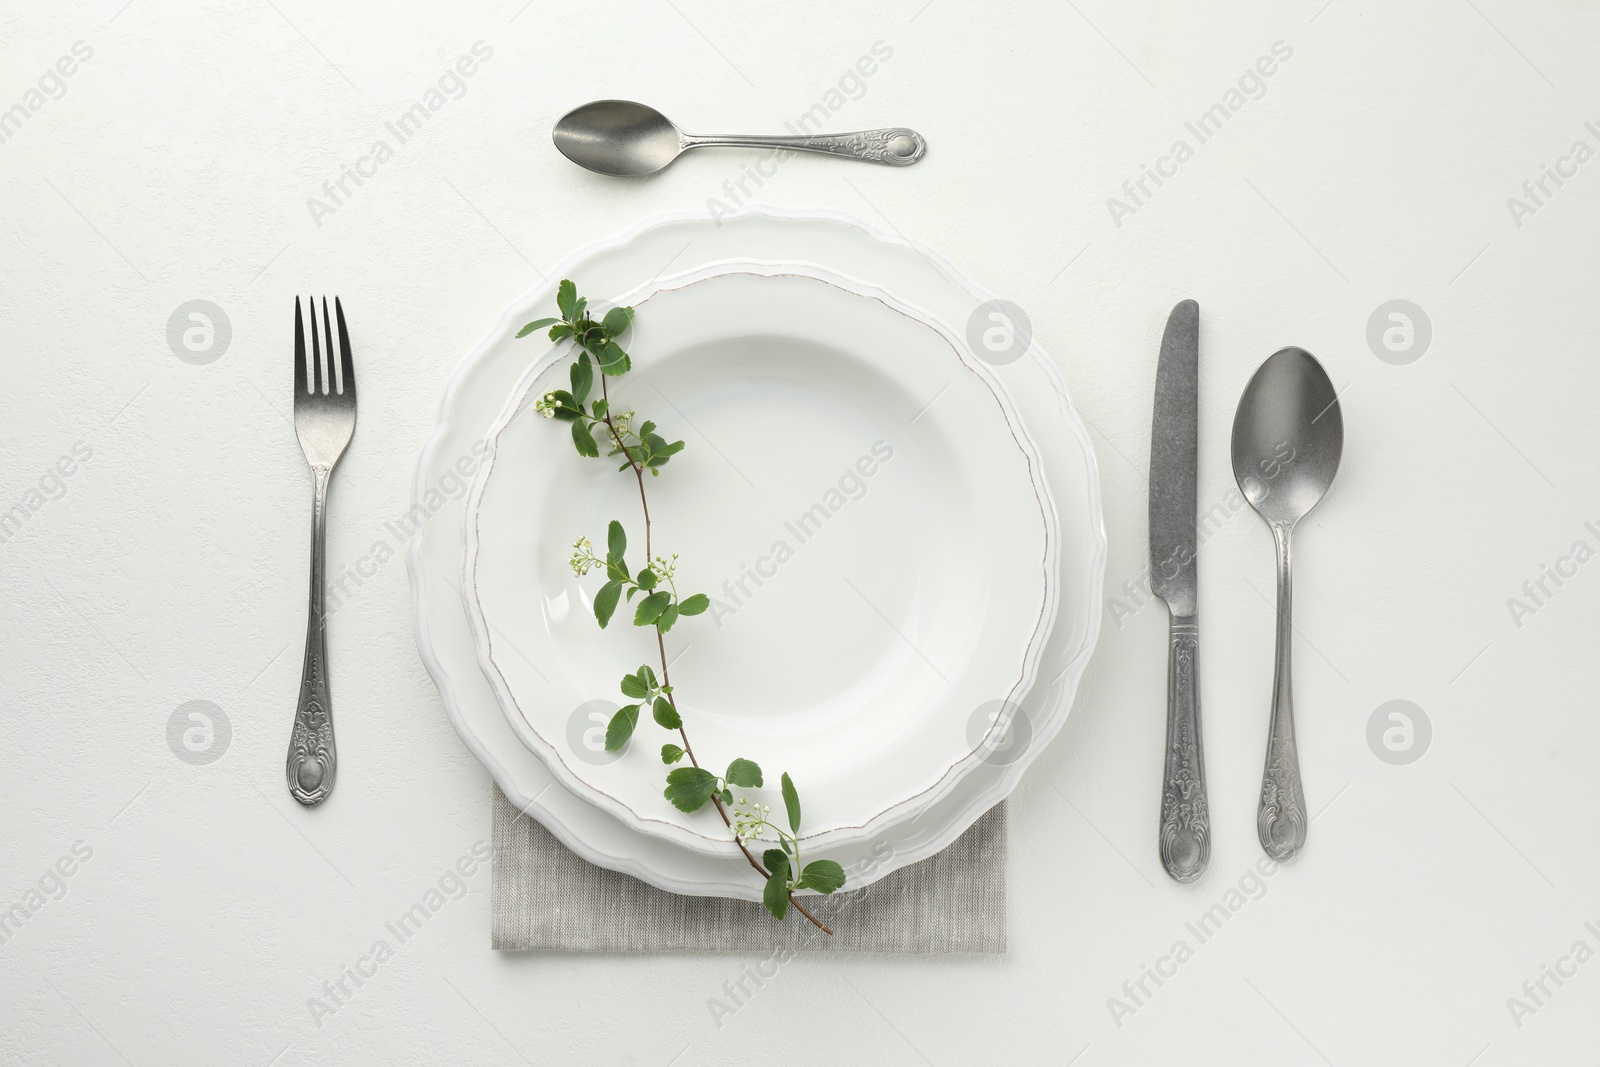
{"points": [[1185, 820], [1281, 819], [311, 763], [893, 146]]}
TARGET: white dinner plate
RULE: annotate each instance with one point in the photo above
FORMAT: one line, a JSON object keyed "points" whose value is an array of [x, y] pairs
{"points": [[454, 450], [859, 499]]}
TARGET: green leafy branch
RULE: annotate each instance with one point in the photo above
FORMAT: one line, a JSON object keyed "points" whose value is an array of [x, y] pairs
{"points": [[750, 822], [640, 446], [659, 605]]}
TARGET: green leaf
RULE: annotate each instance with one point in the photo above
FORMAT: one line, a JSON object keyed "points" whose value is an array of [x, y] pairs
{"points": [[791, 803], [647, 579], [649, 675], [605, 602], [775, 860], [600, 407], [694, 605], [616, 321], [566, 298], [633, 687], [743, 773], [727, 796], [776, 895], [669, 615], [666, 714], [616, 542], [613, 360], [582, 375], [822, 875], [650, 608], [559, 331], [584, 441], [536, 324], [621, 728], [688, 788], [663, 452], [671, 753], [577, 310]]}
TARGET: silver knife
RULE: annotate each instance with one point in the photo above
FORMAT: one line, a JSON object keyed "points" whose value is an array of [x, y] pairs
{"points": [[1174, 434]]}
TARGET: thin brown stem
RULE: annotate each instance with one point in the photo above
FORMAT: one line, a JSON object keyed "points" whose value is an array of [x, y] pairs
{"points": [[666, 677]]}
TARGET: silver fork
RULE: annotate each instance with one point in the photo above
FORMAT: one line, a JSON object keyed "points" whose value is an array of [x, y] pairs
{"points": [[324, 420]]}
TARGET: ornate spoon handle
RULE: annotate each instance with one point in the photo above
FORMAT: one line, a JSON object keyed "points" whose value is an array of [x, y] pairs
{"points": [[893, 146], [1281, 819], [1185, 821], [311, 763]]}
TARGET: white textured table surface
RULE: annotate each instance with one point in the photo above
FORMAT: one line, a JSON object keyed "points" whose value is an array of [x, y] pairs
{"points": [[208, 919]]}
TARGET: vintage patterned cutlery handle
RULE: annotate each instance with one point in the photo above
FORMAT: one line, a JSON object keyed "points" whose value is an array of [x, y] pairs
{"points": [[1281, 819], [1185, 820], [311, 763], [893, 146]]}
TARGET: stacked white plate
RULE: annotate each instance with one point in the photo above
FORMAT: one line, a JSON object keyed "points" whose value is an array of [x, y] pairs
{"points": [[900, 532]]}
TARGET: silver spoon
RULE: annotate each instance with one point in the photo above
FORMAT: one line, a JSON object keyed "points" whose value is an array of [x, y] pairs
{"points": [[1287, 437], [625, 138]]}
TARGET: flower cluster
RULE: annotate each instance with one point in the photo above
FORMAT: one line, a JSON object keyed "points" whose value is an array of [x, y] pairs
{"points": [[749, 819], [583, 558]]}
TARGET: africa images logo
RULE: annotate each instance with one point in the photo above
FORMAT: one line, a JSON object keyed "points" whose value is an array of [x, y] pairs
{"points": [[52, 85], [451, 85], [851, 485], [1139, 190]]}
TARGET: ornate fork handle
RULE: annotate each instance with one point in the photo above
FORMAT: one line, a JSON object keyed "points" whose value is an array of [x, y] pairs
{"points": [[893, 146], [1185, 820], [311, 763]]}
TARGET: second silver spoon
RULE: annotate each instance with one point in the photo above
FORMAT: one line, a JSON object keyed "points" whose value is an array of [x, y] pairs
{"points": [[1287, 438]]}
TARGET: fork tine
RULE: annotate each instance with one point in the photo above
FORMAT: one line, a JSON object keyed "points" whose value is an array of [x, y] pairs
{"points": [[318, 375], [327, 333], [347, 367], [299, 352]]}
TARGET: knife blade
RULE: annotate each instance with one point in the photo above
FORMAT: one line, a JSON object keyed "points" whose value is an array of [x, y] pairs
{"points": [[1185, 837]]}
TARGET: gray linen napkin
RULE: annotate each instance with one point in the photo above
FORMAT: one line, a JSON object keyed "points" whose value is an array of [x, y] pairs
{"points": [[545, 897]]}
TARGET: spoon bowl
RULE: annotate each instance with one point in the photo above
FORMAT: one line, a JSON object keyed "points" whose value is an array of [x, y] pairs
{"points": [[618, 137], [629, 139], [1288, 435]]}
